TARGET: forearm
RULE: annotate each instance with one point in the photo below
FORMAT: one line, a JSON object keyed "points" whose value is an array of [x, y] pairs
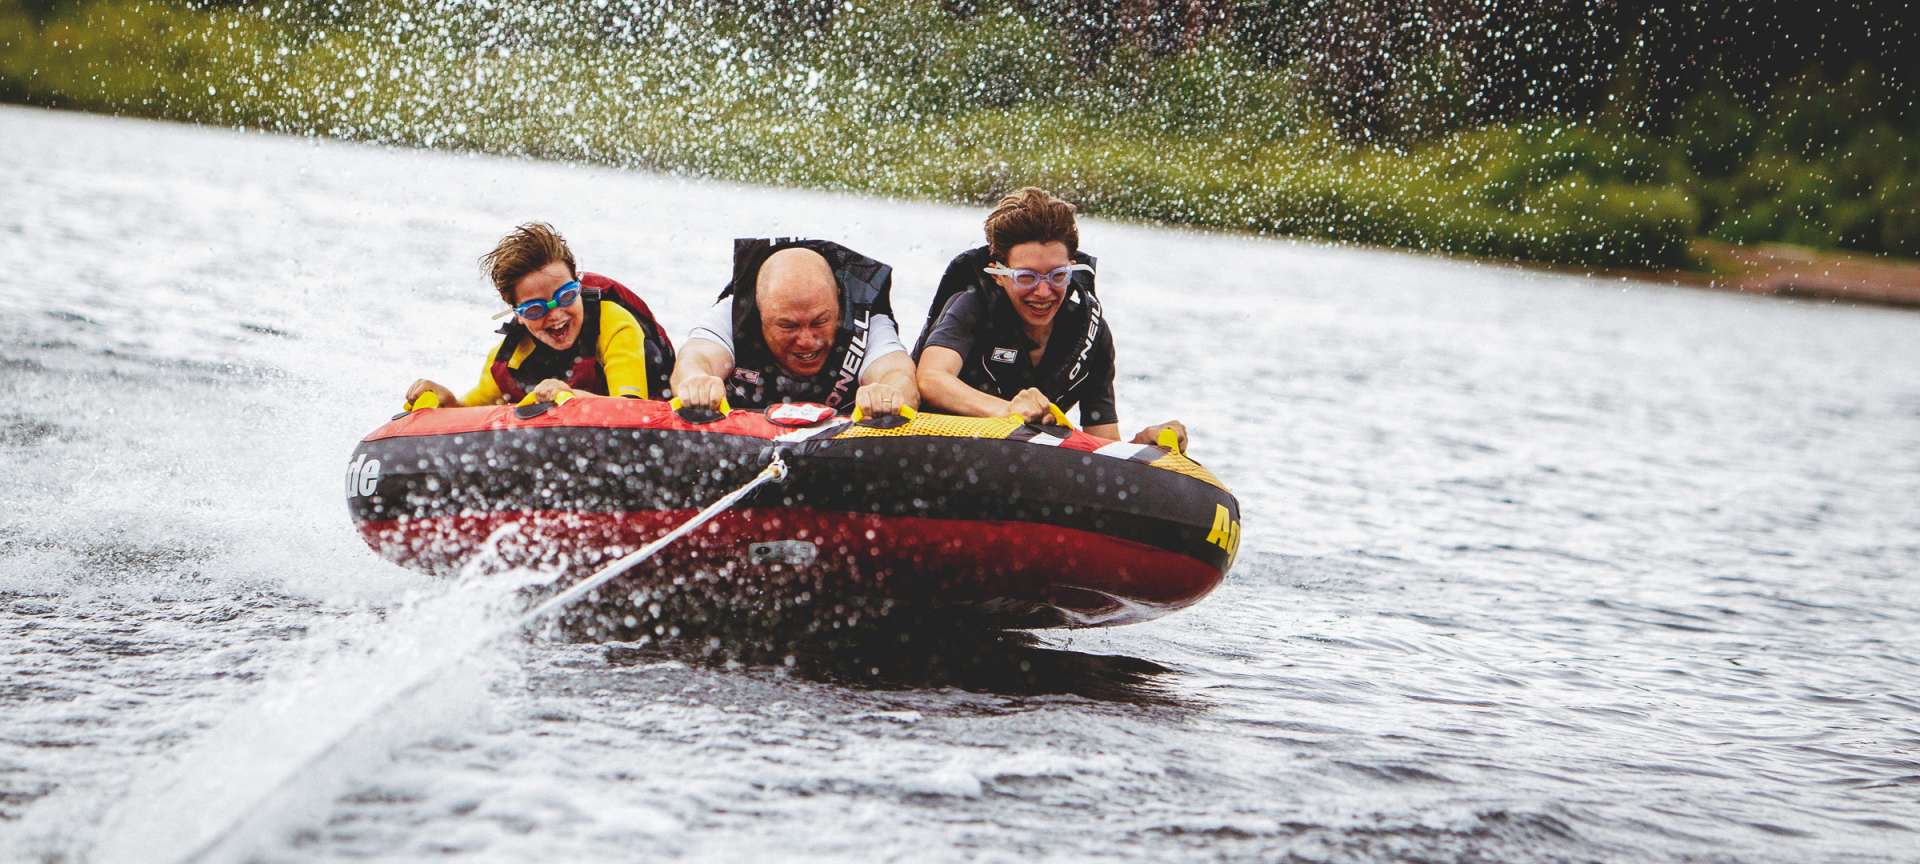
{"points": [[698, 359], [946, 392], [902, 380]]}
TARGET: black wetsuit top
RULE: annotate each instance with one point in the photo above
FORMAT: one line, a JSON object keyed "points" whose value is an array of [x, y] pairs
{"points": [[980, 324]]}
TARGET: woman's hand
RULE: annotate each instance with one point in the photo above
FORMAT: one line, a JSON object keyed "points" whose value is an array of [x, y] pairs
{"points": [[447, 399], [1031, 405]]}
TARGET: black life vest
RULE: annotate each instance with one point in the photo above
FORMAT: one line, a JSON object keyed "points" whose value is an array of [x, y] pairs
{"points": [[580, 365], [758, 379], [1080, 319]]}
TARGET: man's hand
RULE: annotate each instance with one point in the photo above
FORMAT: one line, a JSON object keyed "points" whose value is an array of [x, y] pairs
{"points": [[879, 399], [447, 399], [1151, 434], [1032, 405], [701, 391]]}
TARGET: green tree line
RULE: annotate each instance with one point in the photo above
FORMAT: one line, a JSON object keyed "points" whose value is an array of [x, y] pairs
{"points": [[1593, 133]]}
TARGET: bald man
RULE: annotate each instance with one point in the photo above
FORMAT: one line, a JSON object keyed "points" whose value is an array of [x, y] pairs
{"points": [[802, 321]]}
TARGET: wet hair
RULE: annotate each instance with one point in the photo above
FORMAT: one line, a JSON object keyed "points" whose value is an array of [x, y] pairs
{"points": [[525, 249], [1030, 215]]}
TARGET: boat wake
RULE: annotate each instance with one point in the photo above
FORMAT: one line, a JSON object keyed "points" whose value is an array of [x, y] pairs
{"points": [[357, 690]]}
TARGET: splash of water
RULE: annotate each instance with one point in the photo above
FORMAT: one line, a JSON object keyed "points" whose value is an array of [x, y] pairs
{"points": [[287, 756], [363, 687]]}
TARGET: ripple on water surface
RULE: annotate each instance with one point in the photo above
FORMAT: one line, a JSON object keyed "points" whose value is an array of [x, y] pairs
{"points": [[1535, 567]]}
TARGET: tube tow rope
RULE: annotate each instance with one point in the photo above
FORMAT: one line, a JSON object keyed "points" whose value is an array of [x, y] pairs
{"points": [[775, 471]]}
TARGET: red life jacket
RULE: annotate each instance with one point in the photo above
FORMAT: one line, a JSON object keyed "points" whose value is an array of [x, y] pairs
{"points": [[580, 365]]}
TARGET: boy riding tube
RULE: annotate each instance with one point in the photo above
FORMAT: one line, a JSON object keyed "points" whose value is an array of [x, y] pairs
{"points": [[569, 330], [1016, 328]]}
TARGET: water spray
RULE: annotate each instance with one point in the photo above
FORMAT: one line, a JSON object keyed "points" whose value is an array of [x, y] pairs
{"points": [[776, 471]]}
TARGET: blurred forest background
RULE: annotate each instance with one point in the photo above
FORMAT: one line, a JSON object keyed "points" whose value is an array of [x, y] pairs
{"points": [[1592, 133]]}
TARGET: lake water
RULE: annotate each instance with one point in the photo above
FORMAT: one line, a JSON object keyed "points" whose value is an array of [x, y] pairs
{"points": [[1534, 567]]}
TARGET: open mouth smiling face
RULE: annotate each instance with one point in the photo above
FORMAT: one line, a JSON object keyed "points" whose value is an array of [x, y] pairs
{"points": [[558, 330], [1039, 308], [808, 360], [560, 326], [1036, 305], [801, 346], [799, 310]]}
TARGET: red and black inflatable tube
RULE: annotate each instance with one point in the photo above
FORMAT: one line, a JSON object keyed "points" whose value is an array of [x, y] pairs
{"points": [[928, 519]]}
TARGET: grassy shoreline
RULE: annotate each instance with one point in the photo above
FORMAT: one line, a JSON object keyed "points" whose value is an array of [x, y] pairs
{"points": [[1779, 270], [1192, 140]]}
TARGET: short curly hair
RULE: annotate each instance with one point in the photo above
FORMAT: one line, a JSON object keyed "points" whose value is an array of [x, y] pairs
{"points": [[1030, 215], [525, 249]]}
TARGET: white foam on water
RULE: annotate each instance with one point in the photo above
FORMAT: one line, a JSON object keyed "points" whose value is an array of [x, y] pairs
{"points": [[357, 690]]}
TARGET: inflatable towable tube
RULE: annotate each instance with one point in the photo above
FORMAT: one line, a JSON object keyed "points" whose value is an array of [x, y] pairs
{"points": [[1031, 526]]}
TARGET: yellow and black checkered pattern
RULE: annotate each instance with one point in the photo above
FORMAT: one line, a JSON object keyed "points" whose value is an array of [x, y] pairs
{"points": [[931, 425], [1178, 463]]}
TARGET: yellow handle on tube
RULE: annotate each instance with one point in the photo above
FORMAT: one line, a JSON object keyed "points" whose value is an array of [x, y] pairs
{"points": [[676, 405], [427, 399], [1059, 416], [559, 398], [905, 411], [1169, 440]]}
